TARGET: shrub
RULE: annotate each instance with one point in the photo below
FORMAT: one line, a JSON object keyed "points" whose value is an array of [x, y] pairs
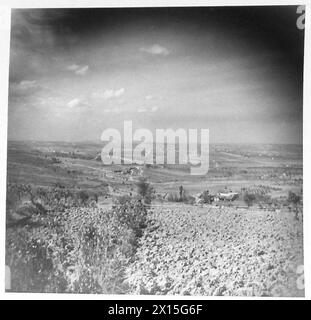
{"points": [[207, 197], [55, 160], [47, 199], [76, 249], [189, 199], [145, 190], [249, 198], [83, 196], [31, 262], [173, 197], [293, 198], [131, 212], [257, 194], [79, 250]]}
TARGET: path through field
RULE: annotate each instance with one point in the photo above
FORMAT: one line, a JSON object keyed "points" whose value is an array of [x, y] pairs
{"points": [[188, 250]]}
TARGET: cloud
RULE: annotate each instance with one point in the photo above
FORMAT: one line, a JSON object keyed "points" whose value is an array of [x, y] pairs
{"points": [[73, 67], [28, 35], [156, 49], [140, 110], [147, 109], [113, 110], [149, 97], [74, 103], [24, 88], [83, 70], [109, 94], [28, 84], [78, 69], [119, 92]]}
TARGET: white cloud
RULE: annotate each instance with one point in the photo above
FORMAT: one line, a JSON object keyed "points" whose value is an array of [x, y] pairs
{"points": [[140, 110], [113, 110], [119, 92], [78, 69], [156, 49], [149, 97], [28, 84], [83, 70], [24, 88], [147, 109], [73, 67], [74, 103], [109, 93]]}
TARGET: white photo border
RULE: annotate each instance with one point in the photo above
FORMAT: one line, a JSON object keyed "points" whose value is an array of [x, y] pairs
{"points": [[5, 22]]}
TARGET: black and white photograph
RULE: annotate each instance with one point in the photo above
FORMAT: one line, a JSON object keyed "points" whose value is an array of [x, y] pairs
{"points": [[156, 151]]}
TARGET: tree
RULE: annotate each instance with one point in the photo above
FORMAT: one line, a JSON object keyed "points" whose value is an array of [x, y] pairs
{"points": [[207, 197], [83, 195], [249, 198], [145, 190], [294, 199]]}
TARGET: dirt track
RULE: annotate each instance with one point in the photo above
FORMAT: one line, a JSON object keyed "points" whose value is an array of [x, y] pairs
{"points": [[189, 250]]}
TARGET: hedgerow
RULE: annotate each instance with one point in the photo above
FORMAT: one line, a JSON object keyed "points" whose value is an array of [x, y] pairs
{"points": [[79, 249]]}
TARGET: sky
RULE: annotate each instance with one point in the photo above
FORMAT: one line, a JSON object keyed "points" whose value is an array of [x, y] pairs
{"points": [[234, 71]]}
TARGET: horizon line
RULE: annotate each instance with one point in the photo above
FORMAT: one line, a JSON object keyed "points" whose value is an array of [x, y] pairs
{"points": [[98, 142]]}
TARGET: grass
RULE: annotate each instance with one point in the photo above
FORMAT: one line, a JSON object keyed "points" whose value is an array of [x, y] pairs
{"points": [[76, 249], [185, 198], [64, 243]]}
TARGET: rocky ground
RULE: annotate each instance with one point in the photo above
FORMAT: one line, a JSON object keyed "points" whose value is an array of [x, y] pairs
{"points": [[188, 250]]}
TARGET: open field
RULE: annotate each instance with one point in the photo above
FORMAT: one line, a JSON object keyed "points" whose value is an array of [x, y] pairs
{"points": [[234, 167], [177, 246], [212, 251]]}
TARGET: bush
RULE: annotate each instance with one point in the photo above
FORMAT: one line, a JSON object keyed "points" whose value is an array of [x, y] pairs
{"points": [[173, 197], [189, 199], [257, 194], [47, 199], [207, 197], [31, 262], [293, 198], [55, 160], [249, 198], [83, 196], [81, 250], [131, 212], [145, 190]]}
